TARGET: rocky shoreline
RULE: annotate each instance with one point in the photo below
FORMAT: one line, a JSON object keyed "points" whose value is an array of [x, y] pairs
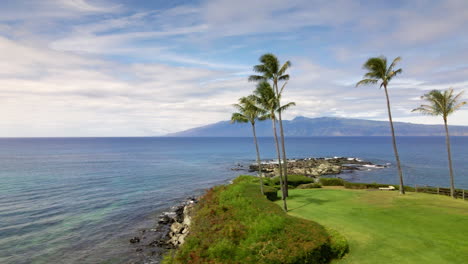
{"points": [[315, 167], [170, 232], [174, 225]]}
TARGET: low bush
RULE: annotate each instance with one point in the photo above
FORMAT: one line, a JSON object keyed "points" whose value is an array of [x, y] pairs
{"points": [[271, 193], [407, 188], [247, 179], [236, 224], [339, 244], [355, 185], [332, 181], [309, 186], [294, 180]]}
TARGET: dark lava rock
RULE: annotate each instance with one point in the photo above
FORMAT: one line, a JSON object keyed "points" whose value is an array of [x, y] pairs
{"points": [[314, 167], [165, 219], [135, 240]]}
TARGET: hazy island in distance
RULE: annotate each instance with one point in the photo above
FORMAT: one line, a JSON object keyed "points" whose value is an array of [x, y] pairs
{"points": [[321, 126]]}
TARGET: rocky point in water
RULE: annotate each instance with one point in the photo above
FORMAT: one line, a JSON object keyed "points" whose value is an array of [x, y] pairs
{"points": [[315, 167], [169, 233]]}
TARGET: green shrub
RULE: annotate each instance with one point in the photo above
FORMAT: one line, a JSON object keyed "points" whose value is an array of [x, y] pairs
{"points": [[309, 186], [271, 193], [358, 185], [293, 180], [407, 188], [332, 181], [246, 179], [355, 185], [339, 244], [236, 224]]}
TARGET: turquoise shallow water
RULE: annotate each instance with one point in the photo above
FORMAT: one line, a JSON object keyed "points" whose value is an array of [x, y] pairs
{"points": [[78, 200]]}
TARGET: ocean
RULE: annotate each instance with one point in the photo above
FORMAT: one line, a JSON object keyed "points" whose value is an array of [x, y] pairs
{"points": [[79, 200]]}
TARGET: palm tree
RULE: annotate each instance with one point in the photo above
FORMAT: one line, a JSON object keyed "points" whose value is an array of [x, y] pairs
{"points": [[266, 98], [442, 103], [378, 71], [249, 112], [271, 69]]}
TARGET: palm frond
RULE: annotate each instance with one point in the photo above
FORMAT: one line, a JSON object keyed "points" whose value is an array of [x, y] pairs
{"points": [[376, 67], [366, 82], [270, 61], [282, 88], [238, 107], [426, 110], [261, 68], [392, 74], [238, 118], [457, 97], [266, 98], [248, 110], [264, 117], [256, 78], [284, 68], [456, 107], [286, 107], [394, 62]]}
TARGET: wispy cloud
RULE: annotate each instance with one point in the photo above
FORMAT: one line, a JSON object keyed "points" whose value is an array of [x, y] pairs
{"points": [[106, 68]]}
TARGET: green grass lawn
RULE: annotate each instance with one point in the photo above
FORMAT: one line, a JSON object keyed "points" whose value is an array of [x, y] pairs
{"points": [[385, 227]]}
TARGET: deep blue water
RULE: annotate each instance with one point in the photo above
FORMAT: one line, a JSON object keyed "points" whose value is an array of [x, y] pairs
{"points": [[78, 200]]}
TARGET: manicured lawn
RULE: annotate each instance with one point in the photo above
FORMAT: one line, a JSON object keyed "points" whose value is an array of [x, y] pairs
{"points": [[385, 227]]}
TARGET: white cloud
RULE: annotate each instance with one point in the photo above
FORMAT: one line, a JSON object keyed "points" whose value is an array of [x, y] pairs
{"points": [[115, 75], [53, 9]]}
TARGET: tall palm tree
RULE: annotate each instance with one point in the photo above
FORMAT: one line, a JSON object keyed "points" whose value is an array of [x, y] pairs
{"points": [[266, 98], [442, 103], [271, 70], [249, 112], [379, 71]]}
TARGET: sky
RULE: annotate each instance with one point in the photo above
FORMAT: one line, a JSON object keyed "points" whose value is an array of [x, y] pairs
{"points": [[148, 68]]}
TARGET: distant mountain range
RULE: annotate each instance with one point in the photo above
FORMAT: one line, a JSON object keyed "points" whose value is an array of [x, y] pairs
{"points": [[322, 126]]}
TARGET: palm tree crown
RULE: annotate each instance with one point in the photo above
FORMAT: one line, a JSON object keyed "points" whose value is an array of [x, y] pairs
{"points": [[248, 111], [378, 71], [440, 103], [266, 98], [270, 69]]}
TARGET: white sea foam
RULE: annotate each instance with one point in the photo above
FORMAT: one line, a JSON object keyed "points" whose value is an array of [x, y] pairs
{"points": [[373, 166]]}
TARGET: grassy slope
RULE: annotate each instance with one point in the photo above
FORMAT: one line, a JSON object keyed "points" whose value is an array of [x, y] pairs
{"points": [[384, 227], [236, 224]]}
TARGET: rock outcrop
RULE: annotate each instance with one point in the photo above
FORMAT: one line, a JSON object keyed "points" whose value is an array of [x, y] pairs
{"points": [[171, 230], [181, 225], [313, 166]]}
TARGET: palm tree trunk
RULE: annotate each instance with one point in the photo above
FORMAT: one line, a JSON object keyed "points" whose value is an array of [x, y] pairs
{"points": [[397, 157], [283, 149], [258, 159], [447, 141], [283, 196], [285, 160]]}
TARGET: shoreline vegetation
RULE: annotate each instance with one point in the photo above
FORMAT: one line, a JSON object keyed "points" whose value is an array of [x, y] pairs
{"points": [[234, 223], [222, 216]]}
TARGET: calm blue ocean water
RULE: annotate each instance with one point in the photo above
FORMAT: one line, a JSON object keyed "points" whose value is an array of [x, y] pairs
{"points": [[79, 200]]}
